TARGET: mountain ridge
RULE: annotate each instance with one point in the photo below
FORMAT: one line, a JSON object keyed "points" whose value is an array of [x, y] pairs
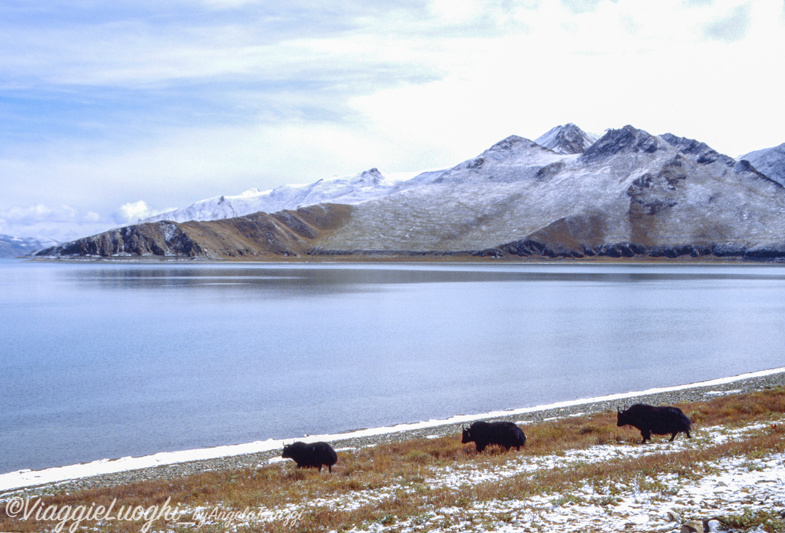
{"points": [[769, 161], [627, 194]]}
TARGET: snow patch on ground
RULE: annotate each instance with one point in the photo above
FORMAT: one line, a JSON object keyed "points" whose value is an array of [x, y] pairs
{"points": [[656, 503]]}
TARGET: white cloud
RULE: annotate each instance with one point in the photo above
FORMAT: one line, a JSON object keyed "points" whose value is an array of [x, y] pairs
{"points": [[57, 222], [732, 27], [644, 63], [174, 104], [133, 212], [36, 213], [456, 11]]}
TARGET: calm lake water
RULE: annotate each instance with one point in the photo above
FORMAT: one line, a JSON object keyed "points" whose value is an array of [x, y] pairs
{"points": [[111, 360]]}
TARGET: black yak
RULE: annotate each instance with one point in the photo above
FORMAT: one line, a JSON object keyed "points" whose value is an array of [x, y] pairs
{"points": [[654, 420], [313, 455], [505, 434]]}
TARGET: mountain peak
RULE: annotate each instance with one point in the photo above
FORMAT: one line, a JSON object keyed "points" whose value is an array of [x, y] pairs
{"points": [[509, 151], [368, 178], [626, 139], [512, 143], [566, 139]]}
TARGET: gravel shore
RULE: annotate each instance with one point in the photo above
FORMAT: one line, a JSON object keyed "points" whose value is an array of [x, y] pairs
{"points": [[697, 392]]}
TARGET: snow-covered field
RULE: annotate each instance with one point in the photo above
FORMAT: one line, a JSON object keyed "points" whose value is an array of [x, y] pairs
{"points": [[656, 503]]}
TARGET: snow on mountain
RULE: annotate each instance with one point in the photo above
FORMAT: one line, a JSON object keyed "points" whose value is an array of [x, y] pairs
{"points": [[769, 161], [371, 184], [19, 246], [364, 186], [629, 186], [567, 139], [628, 192]]}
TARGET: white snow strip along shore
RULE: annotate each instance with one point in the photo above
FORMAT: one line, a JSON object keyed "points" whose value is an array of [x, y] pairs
{"points": [[29, 478]]}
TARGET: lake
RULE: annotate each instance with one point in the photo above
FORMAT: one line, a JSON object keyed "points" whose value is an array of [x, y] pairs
{"points": [[106, 360]]}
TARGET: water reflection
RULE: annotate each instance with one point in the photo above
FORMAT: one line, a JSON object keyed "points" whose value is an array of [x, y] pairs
{"points": [[345, 278]]}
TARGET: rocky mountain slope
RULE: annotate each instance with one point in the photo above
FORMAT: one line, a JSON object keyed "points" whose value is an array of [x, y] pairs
{"points": [[628, 193], [769, 161], [286, 233]]}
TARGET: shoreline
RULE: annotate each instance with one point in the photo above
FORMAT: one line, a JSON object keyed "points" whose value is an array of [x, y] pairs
{"points": [[170, 465]]}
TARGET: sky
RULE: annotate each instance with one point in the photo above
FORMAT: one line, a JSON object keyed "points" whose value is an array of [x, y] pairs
{"points": [[114, 110]]}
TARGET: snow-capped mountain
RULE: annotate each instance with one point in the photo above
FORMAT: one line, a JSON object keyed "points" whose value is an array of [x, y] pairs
{"points": [[628, 187], [364, 186], [567, 139], [19, 246], [628, 193], [769, 161], [368, 185]]}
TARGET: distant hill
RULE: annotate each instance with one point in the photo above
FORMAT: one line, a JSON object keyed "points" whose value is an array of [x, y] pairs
{"points": [[628, 193], [19, 246]]}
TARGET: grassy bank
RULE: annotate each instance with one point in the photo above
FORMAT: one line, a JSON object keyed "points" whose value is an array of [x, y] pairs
{"points": [[439, 484]]}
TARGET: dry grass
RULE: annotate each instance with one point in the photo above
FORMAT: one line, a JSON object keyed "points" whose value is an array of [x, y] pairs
{"points": [[403, 468]]}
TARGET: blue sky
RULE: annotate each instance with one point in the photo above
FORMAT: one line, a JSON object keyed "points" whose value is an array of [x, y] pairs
{"points": [[111, 110]]}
